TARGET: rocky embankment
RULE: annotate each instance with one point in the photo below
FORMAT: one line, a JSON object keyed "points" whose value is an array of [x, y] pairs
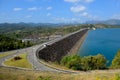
{"points": [[55, 50]]}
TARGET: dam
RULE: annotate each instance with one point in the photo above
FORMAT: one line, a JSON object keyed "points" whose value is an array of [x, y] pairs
{"points": [[69, 44]]}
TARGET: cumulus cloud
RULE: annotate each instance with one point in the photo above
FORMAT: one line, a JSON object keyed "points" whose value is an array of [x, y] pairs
{"points": [[88, 1], [28, 16], [74, 1], [78, 8], [48, 14], [49, 8], [32, 9], [75, 20], [17, 9], [85, 14], [60, 19], [67, 20], [116, 16]]}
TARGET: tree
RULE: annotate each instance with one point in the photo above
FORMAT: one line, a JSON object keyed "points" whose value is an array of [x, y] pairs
{"points": [[100, 61], [116, 61], [72, 62], [94, 62], [7, 43], [87, 63]]}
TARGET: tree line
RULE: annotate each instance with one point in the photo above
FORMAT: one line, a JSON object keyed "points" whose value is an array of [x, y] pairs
{"points": [[7, 43]]}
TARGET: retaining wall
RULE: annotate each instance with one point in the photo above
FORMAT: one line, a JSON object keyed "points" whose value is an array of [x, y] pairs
{"points": [[56, 49]]}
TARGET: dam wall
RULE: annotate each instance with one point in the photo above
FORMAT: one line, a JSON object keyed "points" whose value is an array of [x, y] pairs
{"points": [[54, 50]]}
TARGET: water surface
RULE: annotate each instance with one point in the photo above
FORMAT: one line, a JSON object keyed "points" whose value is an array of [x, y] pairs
{"points": [[104, 41]]}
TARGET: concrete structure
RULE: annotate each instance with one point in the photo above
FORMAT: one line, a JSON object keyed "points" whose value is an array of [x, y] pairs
{"points": [[54, 50]]}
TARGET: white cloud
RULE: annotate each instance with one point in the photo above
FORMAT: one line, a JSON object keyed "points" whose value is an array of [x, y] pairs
{"points": [[48, 14], [28, 16], [85, 14], [17, 9], [78, 8], [60, 19], [116, 16], [72, 1], [75, 1], [32, 9], [75, 20], [49, 8], [88, 1], [67, 20]]}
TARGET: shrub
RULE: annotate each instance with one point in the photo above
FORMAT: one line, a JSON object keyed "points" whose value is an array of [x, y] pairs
{"points": [[44, 78], [85, 63], [72, 61], [116, 61], [17, 58], [94, 62]]}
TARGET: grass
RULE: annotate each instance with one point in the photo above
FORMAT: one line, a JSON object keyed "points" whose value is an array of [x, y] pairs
{"points": [[6, 54], [54, 65], [14, 74], [23, 62]]}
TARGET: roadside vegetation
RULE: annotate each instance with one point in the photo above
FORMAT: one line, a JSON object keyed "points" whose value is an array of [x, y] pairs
{"points": [[19, 61], [97, 62], [86, 63]]}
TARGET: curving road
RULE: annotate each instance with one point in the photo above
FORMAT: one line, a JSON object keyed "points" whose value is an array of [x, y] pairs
{"points": [[34, 61], [31, 56]]}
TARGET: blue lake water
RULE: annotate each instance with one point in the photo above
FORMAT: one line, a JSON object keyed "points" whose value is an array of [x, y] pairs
{"points": [[104, 41]]}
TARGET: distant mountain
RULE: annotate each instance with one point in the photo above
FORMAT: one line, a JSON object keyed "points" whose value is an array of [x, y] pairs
{"points": [[43, 25], [11, 27], [107, 22], [29, 24]]}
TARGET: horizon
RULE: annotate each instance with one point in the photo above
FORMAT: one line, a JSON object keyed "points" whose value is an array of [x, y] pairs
{"points": [[86, 22], [62, 11]]}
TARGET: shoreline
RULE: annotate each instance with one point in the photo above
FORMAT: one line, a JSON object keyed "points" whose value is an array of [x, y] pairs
{"points": [[78, 44]]}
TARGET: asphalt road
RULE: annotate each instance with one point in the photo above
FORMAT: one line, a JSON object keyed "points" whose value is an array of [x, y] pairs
{"points": [[35, 62], [31, 52]]}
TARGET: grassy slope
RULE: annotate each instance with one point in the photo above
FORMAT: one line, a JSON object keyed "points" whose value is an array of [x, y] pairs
{"points": [[12, 74], [19, 63]]}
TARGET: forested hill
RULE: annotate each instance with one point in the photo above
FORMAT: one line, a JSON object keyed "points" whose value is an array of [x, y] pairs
{"points": [[35, 30], [107, 22], [10, 27], [30, 30], [7, 43]]}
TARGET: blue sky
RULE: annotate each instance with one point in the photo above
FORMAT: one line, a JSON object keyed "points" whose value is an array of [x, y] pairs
{"points": [[58, 11]]}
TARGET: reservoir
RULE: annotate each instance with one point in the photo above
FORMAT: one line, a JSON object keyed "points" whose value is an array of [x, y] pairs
{"points": [[101, 41]]}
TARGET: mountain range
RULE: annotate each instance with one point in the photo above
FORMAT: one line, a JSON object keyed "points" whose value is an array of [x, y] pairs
{"points": [[107, 22]]}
